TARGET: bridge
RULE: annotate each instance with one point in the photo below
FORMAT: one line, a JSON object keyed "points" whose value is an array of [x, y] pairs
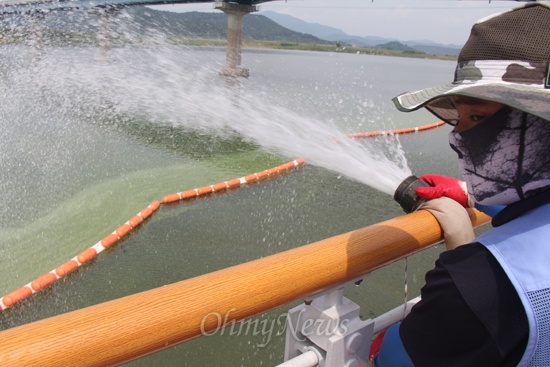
{"points": [[29, 6], [105, 9]]}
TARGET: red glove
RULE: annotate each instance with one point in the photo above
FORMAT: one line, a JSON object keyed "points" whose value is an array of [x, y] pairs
{"points": [[444, 186]]}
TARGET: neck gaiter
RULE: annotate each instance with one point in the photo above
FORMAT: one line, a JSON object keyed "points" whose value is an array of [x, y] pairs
{"points": [[506, 158]]}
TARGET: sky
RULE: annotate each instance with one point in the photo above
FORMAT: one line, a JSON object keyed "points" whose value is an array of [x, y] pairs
{"points": [[441, 21]]}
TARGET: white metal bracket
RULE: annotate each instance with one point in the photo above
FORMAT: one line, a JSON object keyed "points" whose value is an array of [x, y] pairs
{"points": [[329, 323]]}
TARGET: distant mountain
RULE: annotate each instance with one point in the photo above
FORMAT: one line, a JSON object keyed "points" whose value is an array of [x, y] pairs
{"points": [[394, 45], [214, 25], [334, 35], [434, 48], [298, 25], [322, 31], [137, 21]]}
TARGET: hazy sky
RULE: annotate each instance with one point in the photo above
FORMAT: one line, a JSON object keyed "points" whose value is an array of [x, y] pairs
{"points": [[442, 21]]}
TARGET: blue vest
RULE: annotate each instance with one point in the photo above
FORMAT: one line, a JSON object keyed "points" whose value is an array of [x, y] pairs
{"points": [[522, 247]]}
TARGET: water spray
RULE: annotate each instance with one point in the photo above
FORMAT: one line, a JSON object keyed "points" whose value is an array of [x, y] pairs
{"points": [[405, 194]]}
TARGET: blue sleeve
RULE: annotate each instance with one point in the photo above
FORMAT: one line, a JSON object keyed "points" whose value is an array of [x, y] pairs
{"points": [[392, 352], [488, 209]]}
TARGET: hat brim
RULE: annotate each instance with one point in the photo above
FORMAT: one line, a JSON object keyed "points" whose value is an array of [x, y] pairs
{"points": [[528, 97]]}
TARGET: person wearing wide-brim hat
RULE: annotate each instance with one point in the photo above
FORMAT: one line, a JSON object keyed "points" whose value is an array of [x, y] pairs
{"points": [[487, 302]]}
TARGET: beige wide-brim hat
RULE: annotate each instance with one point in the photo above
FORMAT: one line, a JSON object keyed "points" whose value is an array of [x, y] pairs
{"points": [[506, 59]]}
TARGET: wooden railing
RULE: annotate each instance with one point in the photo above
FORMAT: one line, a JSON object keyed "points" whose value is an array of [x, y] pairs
{"points": [[128, 328]]}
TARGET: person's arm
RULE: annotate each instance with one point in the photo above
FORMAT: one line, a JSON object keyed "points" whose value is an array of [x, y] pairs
{"points": [[392, 353], [434, 331], [463, 317]]}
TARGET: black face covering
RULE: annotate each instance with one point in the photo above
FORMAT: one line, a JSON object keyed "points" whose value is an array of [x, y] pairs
{"points": [[506, 158]]}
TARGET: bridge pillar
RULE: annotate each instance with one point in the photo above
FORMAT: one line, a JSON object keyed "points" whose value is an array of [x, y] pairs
{"points": [[104, 16], [235, 14], [36, 39]]}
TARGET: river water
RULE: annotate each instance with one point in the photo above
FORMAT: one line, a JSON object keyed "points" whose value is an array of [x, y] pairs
{"points": [[85, 144]]}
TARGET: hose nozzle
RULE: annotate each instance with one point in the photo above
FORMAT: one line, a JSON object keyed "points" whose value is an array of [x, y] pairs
{"points": [[405, 194]]}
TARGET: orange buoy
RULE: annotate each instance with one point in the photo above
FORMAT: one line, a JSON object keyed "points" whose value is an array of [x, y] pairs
{"points": [[262, 174], [66, 268], [146, 213], [86, 255], [204, 190], [220, 186], [122, 230], [251, 177], [188, 194], [155, 205], [43, 281], [109, 240], [17, 295], [171, 198], [234, 183], [135, 221], [272, 171]]}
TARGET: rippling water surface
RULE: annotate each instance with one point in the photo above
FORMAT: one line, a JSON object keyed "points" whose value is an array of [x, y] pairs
{"points": [[86, 144]]}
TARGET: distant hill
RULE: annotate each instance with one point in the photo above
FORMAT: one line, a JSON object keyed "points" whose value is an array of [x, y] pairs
{"points": [[334, 35], [298, 25], [394, 45], [434, 48], [323, 31], [214, 25], [137, 21]]}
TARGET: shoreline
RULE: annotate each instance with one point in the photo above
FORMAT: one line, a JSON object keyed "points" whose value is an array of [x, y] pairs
{"points": [[73, 39], [297, 46]]}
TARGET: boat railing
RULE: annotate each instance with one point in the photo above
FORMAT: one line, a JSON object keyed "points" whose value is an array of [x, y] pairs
{"points": [[125, 329]]}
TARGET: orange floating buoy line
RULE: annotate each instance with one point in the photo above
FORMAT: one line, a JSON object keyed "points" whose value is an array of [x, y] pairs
{"points": [[115, 237], [231, 183], [408, 130], [85, 256]]}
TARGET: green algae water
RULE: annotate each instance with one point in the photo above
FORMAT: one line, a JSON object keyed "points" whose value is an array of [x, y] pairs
{"points": [[86, 144]]}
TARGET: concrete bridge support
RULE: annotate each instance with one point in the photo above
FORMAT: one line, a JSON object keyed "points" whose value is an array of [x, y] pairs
{"points": [[235, 14], [36, 39], [104, 19]]}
